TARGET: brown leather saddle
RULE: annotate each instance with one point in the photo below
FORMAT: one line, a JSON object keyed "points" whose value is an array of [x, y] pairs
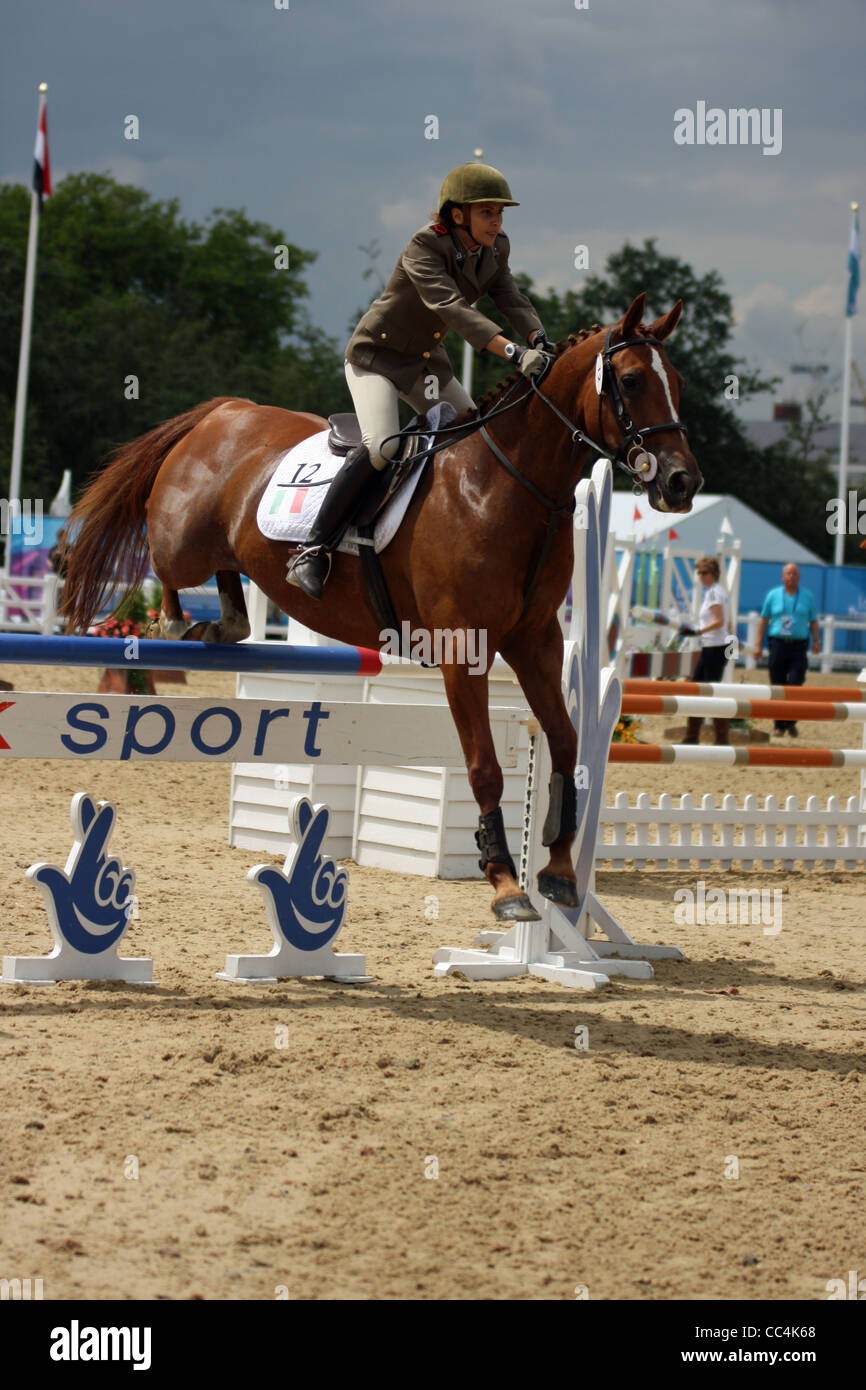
{"points": [[345, 432], [345, 435]]}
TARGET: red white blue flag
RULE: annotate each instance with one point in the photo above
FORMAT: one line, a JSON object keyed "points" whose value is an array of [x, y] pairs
{"points": [[41, 163]]}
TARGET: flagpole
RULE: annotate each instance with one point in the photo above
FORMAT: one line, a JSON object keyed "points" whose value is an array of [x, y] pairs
{"points": [[839, 551], [24, 353], [838, 557]]}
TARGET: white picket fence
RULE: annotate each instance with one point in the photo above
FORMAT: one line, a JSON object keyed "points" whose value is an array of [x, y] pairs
{"points": [[673, 832], [27, 604]]}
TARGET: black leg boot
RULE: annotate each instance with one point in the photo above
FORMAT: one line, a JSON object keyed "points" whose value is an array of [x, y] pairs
{"points": [[693, 729], [310, 569]]}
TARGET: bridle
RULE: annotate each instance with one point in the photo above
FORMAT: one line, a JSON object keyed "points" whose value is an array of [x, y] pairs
{"points": [[632, 438], [630, 455]]}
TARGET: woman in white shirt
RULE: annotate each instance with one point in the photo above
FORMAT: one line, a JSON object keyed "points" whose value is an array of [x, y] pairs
{"points": [[713, 631]]}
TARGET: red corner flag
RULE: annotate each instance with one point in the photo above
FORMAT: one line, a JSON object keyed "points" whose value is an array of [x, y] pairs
{"points": [[673, 535], [637, 516], [41, 164]]}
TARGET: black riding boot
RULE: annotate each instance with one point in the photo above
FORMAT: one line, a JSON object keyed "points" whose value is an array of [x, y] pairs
{"points": [[311, 568]]}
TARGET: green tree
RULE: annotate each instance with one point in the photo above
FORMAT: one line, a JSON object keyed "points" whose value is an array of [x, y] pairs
{"points": [[126, 287]]}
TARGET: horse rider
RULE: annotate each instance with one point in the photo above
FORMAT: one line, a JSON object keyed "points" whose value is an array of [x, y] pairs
{"points": [[397, 346]]}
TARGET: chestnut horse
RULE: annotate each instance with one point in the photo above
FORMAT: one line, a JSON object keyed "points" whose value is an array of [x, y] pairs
{"points": [[475, 536]]}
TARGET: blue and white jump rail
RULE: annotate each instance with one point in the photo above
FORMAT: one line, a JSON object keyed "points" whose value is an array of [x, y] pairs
{"points": [[92, 728], [124, 728], [133, 654]]}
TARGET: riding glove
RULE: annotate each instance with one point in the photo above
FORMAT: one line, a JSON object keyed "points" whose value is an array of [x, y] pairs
{"points": [[532, 362]]}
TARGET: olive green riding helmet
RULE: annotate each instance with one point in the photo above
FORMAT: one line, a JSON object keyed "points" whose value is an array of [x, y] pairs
{"points": [[476, 183]]}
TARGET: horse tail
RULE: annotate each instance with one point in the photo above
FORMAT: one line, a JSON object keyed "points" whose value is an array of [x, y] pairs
{"points": [[106, 540]]}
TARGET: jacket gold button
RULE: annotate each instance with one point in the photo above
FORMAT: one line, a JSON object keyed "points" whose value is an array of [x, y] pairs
{"points": [[425, 354], [437, 335], [383, 335]]}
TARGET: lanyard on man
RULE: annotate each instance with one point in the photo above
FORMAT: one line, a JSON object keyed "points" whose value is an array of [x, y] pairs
{"points": [[787, 620]]}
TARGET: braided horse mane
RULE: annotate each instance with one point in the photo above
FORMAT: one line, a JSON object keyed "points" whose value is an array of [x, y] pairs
{"points": [[496, 392]]}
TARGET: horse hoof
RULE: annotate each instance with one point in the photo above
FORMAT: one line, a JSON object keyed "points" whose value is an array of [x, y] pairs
{"points": [[199, 632], [515, 909], [557, 889]]}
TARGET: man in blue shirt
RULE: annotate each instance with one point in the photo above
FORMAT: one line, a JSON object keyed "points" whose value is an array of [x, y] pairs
{"points": [[789, 612]]}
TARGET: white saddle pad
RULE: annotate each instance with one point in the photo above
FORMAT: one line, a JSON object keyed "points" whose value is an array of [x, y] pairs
{"points": [[301, 478]]}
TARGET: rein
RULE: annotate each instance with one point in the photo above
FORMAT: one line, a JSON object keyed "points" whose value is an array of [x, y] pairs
{"points": [[641, 469], [632, 439], [458, 431], [557, 511]]}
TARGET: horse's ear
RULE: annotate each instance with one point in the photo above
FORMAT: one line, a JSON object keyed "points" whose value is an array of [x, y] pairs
{"points": [[633, 316], [663, 327]]}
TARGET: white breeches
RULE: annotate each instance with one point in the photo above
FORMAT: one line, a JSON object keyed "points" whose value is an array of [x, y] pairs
{"points": [[375, 399]]}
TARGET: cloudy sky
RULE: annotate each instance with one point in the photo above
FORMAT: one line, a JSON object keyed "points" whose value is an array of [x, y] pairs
{"points": [[313, 118]]}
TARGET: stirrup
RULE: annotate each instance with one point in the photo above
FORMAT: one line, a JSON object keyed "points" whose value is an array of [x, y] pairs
{"points": [[310, 552]]}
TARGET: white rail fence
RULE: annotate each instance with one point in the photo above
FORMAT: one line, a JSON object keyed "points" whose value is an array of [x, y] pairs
{"points": [[28, 603], [675, 831]]}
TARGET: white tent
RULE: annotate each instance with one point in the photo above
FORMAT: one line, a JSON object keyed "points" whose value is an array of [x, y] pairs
{"points": [[632, 518]]}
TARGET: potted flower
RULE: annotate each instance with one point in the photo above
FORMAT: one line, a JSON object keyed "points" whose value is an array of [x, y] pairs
{"points": [[126, 622], [627, 729]]}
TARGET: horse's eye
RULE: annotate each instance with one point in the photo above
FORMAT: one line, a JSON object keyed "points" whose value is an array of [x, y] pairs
{"points": [[630, 381]]}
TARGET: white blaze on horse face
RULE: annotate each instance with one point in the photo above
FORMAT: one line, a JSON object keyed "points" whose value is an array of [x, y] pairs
{"points": [[660, 371]]}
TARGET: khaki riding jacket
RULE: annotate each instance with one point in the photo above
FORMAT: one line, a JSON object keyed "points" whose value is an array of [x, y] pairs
{"points": [[433, 287]]}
